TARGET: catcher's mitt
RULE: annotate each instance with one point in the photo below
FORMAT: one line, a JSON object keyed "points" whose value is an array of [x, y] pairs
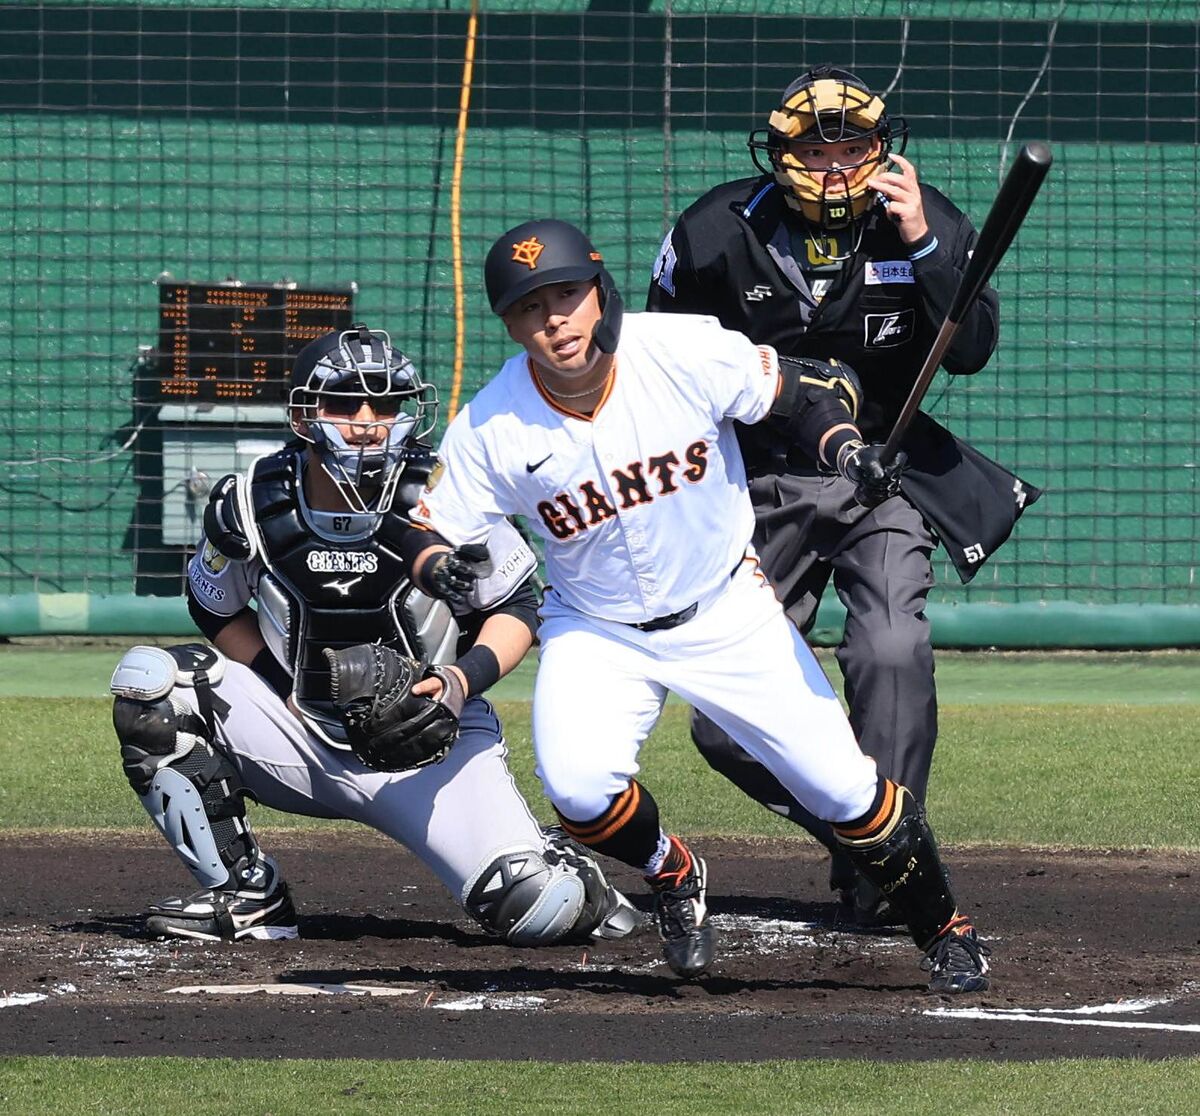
{"points": [[387, 727]]}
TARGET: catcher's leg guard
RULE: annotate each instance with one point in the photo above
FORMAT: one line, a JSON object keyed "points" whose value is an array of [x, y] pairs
{"points": [[538, 897], [193, 795], [894, 848], [606, 912]]}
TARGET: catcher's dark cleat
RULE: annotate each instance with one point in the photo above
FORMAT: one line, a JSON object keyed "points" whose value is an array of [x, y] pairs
{"points": [[957, 960], [689, 942], [260, 908]]}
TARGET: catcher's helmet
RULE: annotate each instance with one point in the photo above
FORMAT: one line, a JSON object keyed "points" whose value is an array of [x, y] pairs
{"points": [[335, 373], [538, 253], [827, 105]]}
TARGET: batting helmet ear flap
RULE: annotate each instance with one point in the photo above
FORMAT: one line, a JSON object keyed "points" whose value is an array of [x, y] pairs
{"points": [[608, 329]]}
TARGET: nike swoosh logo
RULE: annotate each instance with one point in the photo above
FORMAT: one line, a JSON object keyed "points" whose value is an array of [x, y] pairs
{"points": [[537, 465]]}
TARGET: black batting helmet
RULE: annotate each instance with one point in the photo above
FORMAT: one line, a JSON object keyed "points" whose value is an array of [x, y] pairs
{"points": [[538, 253]]}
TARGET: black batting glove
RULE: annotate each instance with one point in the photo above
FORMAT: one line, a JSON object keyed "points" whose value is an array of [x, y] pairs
{"points": [[224, 522], [874, 479], [453, 573]]}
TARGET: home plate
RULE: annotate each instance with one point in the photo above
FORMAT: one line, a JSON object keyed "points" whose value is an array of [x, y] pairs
{"points": [[293, 990]]}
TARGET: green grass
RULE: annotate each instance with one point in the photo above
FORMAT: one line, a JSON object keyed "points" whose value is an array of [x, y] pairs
{"points": [[1099, 776], [1070, 750], [81, 668], [143, 1086]]}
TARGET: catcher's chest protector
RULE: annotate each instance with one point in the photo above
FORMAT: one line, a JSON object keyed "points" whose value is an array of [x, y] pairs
{"points": [[315, 593]]}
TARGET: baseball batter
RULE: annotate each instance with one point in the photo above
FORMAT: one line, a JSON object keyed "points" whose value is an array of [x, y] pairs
{"points": [[344, 692], [613, 436]]}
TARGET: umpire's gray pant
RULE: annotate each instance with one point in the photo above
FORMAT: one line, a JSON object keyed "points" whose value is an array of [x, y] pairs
{"points": [[807, 528]]}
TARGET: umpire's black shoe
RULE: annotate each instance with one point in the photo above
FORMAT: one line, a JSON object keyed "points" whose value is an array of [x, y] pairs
{"points": [[689, 942], [957, 960], [259, 907]]}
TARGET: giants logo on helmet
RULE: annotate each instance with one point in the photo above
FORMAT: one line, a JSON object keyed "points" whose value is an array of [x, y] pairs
{"points": [[527, 251], [338, 561], [566, 515]]}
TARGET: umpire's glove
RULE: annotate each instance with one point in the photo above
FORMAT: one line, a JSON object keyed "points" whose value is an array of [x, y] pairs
{"points": [[874, 479]]}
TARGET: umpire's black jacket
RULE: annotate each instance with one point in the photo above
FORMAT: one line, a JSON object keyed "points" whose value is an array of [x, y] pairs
{"points": [[729, 256]]}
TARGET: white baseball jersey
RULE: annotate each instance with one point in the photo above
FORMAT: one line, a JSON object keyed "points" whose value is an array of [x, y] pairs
{"points": [[642, 504]]}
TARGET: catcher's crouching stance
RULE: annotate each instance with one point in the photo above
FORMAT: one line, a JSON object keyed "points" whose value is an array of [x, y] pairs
{"points": [[345, 692]]}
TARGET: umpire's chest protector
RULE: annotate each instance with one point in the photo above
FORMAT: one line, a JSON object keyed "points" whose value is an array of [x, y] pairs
{"points": [[871, 317], [319, 593]]}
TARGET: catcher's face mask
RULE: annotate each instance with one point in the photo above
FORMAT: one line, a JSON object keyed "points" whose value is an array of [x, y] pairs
{"points": [[828, 136], [358, 401]]}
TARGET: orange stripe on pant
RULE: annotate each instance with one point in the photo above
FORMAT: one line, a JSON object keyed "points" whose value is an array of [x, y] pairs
{"points": [[623, 807]]}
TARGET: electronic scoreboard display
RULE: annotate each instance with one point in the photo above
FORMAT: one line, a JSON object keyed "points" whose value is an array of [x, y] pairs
{"points": [[235, 342]]}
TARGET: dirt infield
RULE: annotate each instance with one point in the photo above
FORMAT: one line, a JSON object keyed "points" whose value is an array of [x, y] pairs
{"points": [[1094, 954]]}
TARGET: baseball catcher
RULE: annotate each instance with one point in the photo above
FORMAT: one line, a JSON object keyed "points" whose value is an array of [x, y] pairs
{"points": [[335, 687]]}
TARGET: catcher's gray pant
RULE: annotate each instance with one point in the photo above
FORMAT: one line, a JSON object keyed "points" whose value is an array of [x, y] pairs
{"points": [[457, 815], [806, 528]]}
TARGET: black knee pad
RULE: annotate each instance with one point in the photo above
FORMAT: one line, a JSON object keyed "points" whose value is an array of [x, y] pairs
{"points": [[151, 734]]}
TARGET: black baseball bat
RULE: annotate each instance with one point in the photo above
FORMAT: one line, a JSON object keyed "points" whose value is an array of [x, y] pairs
{"points": [[1013, 200]]}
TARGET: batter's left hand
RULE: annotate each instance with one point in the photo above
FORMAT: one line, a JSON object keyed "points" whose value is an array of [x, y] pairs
{"points": [[903, 193]]}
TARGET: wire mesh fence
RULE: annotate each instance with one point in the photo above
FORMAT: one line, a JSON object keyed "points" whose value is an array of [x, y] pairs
{"points": [[337, 145]]}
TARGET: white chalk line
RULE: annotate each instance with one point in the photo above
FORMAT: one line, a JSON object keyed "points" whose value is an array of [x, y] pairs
{"points": [[1083, 1016], [289, 989], [1031, 1017], [494, 1003], [20, 999]]}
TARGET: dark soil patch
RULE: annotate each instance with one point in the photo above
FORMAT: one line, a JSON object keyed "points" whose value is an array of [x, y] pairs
{"points": [[1068, 930]]}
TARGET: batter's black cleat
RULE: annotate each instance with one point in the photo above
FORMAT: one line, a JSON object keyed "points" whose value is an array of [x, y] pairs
{"points": [[689, 942], [957, 960], [259, 908]]}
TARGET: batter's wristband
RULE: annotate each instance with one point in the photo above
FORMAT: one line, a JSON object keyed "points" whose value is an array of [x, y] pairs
{"points": [[480, 668], [268, 668]]}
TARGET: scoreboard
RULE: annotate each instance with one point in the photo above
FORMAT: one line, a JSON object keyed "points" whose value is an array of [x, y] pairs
{"points": [[218, 380], [233, 343]]}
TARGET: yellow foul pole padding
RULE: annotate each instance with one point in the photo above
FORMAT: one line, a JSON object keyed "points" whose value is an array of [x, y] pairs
{"points": [[460, 145]]}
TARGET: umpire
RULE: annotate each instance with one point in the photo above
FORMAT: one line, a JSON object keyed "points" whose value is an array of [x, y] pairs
{"points": [[832, 252]]}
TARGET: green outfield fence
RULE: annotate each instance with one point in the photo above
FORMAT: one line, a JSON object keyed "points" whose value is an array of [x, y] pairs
{"points": [[315, 142]]}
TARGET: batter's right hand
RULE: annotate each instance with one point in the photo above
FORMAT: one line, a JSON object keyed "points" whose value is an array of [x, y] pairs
{"points": [[874, 479], [453, 573], [224, 522]]}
